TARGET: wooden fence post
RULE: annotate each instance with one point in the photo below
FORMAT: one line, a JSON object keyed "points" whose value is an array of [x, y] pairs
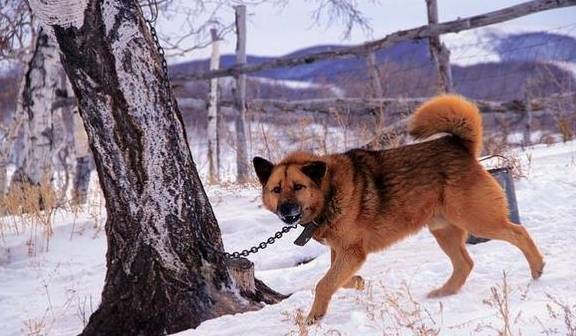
{"points": [[213, 151], [374, 74], [527, 134], [440, 54], [240, 97]]}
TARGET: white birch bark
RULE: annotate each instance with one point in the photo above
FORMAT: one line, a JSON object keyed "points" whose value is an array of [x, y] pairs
{"points": [[242, 168], [213, 159], [41, 81]]}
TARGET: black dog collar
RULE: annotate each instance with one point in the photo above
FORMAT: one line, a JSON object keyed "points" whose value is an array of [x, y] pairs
{"points": [[307, 233]]}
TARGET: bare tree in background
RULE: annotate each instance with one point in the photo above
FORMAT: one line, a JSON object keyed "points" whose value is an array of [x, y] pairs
{"points": [[41, 81], [213, 138], [17, 30], [21, 42]]}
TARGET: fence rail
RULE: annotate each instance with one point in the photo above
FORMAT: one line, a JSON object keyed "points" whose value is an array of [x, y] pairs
{"points": [[422, 32]]}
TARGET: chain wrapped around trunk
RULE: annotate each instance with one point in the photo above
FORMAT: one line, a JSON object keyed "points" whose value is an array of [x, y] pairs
{"points": [[153, 7]]}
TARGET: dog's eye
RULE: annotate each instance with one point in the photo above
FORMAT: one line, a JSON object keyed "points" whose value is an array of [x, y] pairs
{"points": [[277, 190], [298, 187]]}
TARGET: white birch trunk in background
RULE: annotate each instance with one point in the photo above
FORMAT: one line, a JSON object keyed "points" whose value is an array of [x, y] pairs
{"points": [[213, 159], [242, 168], [10, 134], [41, 80], [83, 166]]}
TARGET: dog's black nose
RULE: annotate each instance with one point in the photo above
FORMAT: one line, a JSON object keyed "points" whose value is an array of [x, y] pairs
{"points": [[289, 212]]}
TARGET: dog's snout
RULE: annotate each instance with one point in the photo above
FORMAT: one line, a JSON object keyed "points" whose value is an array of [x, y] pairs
{"points": [[289, 212], [289, 209]]}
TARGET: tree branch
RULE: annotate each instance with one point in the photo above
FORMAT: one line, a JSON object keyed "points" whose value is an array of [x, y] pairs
{"points": [[426, 31]]}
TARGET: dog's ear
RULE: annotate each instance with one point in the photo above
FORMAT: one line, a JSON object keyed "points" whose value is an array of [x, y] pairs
{"points": [[315, 170], [263, 169]]}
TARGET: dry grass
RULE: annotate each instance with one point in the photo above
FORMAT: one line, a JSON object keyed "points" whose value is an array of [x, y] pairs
{"points": [[396, 312], [29, 208], [559, 310], [566, 127], [499, 301]]}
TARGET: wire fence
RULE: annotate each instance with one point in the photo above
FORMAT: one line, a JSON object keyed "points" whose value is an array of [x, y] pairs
{"points": [[533, 68]]}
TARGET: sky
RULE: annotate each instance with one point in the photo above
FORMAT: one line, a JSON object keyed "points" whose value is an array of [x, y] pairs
{"points": [[276, 31]]}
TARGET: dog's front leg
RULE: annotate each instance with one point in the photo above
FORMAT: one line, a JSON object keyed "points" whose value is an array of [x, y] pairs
{"points": [[344, 265]]}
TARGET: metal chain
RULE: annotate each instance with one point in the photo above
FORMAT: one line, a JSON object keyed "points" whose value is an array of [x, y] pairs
{"points": [[246, 252], [261, 246], [153, 6]]}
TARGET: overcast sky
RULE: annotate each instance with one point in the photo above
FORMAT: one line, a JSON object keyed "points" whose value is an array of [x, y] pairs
{"points": [[274, 31]]}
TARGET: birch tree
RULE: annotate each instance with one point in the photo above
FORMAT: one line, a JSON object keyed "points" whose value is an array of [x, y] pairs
{"points": [[40, 82], [213, 139], [164, 272]]}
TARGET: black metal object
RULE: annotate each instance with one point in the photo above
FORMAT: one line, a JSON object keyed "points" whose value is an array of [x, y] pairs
{"points": [[504, 177], [308, 232], [261, 246]]}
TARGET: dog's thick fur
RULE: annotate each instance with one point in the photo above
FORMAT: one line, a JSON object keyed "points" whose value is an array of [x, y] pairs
{"points": [[368, 200]]}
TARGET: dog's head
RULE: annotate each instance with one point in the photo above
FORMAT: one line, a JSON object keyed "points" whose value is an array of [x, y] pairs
{"points": [[292, 189]]}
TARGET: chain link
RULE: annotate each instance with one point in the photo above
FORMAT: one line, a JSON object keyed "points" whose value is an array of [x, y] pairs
{"points": [[254, 249], [153, 7]]}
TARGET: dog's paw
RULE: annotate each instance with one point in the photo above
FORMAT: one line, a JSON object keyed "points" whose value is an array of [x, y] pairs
{"points": [[537, 273], [356, 282], [313, 318], [441, 292], [359, 282]]}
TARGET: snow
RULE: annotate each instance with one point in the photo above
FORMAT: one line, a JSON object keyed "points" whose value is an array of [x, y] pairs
{"points": [[299, 85], [55, 291], [479, 45]]}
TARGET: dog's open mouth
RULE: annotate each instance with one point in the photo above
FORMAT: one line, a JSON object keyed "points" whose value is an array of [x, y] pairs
{"points": [[291, 219]]}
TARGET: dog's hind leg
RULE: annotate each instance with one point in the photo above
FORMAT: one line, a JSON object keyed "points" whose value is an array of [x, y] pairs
{"points": [[452, 241], [482, 210], [517, 235], [355, 282]]}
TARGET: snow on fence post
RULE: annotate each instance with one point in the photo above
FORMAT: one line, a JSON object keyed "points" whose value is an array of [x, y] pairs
{"points": [[242, 168], [374, 73], [213, 150], [440, 54]]}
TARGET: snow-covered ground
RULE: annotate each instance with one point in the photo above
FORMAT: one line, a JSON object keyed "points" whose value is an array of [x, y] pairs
{"points": [[52, 293]]}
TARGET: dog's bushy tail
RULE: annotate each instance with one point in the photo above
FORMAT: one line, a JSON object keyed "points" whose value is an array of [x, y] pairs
{"points": [[450, 114]]}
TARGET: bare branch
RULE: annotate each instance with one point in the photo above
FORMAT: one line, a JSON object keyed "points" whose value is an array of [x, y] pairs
{"points": [[421, 32], [344, 12], [17, 29]]}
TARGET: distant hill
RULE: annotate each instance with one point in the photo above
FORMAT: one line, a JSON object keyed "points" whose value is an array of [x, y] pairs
{"points": [[407, 70], [415, 51]]}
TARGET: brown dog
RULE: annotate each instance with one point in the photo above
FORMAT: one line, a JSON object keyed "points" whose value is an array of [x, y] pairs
{"points": [[364, 201]]}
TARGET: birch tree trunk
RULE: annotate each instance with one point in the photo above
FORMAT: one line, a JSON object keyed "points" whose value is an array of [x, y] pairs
{"points": [[10, 134], [41, 81], [84, 163], [242, 168], [213, 152], [162, 273]]}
